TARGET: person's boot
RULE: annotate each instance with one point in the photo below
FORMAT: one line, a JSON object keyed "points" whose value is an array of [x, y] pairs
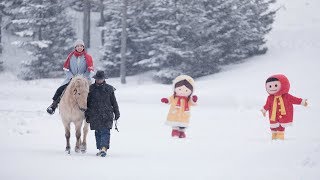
{"points": [[103, 152], [175, 133], [274, 136], [52, 107], [98, 153], [280, 135]]}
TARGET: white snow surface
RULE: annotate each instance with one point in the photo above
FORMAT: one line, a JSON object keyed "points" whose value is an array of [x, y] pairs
{"points": [[228, 137]]}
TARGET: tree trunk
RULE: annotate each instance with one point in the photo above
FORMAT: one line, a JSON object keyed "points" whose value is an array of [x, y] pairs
{"points": [[102, 19], [39, 33], [123, 42], [102, 37], [1, 62], [0, 34], [86, 23]]}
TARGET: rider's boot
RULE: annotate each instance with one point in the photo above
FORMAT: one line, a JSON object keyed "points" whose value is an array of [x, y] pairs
{"points": [[52, 107]]}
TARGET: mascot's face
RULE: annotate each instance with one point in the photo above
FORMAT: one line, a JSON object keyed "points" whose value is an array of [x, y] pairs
{"points": [[182, 91], [273, 87]]}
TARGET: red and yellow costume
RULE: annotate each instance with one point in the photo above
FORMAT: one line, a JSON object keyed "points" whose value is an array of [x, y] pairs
{"points": [[280, 106]]}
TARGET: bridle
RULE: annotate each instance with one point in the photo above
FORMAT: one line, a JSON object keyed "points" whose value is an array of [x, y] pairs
{"points": [[75, 92]]}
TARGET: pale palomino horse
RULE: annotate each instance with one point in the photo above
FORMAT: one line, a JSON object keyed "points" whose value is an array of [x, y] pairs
{"points": [[72, 106]]}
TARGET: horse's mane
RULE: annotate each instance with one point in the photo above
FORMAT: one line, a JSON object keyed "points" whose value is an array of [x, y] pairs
{"points": [[77, 82]]}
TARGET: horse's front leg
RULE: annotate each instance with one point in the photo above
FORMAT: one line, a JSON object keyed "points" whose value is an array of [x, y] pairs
{"points": [[67, 135], [78, 136], [84, 140]]}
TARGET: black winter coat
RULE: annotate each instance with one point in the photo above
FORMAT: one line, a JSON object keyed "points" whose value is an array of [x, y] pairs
{"points": [[102, 106]]}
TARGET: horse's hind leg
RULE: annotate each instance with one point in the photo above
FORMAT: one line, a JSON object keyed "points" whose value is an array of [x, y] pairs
{"points": [[78, 135], [67, 134], [84, 140]]}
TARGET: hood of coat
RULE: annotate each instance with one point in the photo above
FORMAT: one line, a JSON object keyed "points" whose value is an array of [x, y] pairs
{"points": [[285, 84]]}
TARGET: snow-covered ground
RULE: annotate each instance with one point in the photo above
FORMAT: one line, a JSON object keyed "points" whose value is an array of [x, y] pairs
{"points": [[228, 137]]}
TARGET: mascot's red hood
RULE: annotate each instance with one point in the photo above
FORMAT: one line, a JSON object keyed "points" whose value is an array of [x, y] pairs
{"points": [[285, 84]]}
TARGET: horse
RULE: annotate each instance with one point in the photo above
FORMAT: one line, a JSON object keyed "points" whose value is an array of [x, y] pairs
{"points": [[73, 104]]}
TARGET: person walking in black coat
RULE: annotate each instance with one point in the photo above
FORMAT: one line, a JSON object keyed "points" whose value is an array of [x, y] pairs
{"points": [[102, 110]]}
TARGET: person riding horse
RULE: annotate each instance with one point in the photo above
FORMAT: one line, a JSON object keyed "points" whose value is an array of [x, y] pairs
{"points": [[78, 62]]}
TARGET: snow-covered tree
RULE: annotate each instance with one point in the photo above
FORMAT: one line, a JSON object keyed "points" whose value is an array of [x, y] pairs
{"points": [[112, 37], [191, 37], [163, 28], [152, 37], [257, 23], [48, 37], [5, 13], [221, 32], [213, 34], [102, 19]]}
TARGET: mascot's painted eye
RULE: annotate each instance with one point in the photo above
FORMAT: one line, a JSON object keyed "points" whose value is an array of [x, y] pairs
{"points": [[270, 86], [276, 85]]}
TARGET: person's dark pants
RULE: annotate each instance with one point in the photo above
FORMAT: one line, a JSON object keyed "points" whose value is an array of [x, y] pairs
{"points": [[102, 138], [59, 91]]}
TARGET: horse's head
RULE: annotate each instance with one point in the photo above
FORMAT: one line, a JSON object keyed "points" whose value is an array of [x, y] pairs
{"points": [[80, 91]]}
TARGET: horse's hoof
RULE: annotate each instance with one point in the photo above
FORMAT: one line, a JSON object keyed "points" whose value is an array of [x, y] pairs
{"points": [[77, 150], [68, 151], [83, 148]]}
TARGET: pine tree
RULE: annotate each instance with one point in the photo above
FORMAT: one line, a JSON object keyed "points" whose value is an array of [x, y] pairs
{"points": [[259, 21], [7, 8], [203, 33], [213, 31], [223, 32], [50, 35], [153, 40], [112, 37], [191, 37], [164, 24]]}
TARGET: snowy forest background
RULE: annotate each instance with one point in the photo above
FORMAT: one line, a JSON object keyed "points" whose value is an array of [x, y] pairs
{"points": [[228, 137], [166, 37]]}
